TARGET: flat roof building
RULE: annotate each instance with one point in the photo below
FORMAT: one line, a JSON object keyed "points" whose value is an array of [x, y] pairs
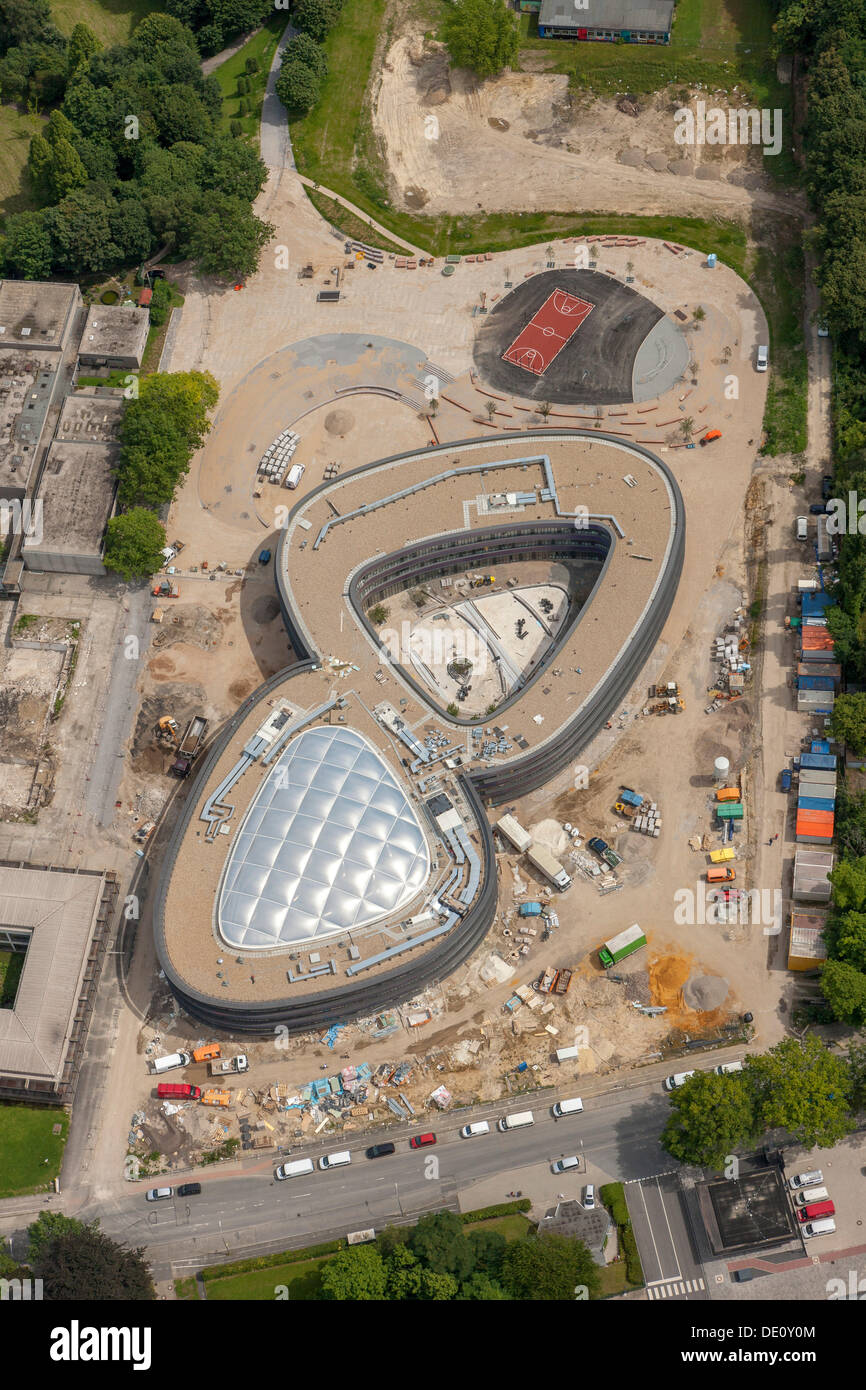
{"points": [[59, 919], [807, 947], [115, 335], [604, 21], [36, 316]]}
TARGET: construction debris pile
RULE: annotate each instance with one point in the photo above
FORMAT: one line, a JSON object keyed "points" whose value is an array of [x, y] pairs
{"points": [[664, 699], [733, 669], [643, 815]]}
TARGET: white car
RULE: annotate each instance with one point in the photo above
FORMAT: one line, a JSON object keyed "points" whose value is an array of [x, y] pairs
{"points": [[679, 1078], [564, 1165], [823, 328], [159, 1194], [728, 1068], [806, 1180], [589, 1197], [762, 359]]}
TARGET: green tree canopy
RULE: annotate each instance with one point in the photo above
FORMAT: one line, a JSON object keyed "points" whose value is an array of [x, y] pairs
{"points": [[88, 1265], [844, 988], [83, 43], [47, 1226], [133, 543], [481, 35], [440, 1243], [356, 1275], [227, 237], [298, 86], [159, 433], [316, 17], [301, 48], [849, 884], [711, 1118], [801, 1087], [548, 1267], [26, 250], [848, 720]]}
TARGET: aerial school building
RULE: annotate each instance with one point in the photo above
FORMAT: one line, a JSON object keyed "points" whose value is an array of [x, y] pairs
{"points": [[606, 21]]}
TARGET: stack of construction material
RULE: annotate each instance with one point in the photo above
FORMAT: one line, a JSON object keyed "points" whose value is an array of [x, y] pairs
{"points": [[277, 457], [648, 821]]}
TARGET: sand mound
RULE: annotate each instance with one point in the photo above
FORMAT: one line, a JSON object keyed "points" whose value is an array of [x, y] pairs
{"points": [[705, 992]]}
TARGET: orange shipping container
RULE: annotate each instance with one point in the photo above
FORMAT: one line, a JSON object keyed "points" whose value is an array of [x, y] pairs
{"points": [[208, 1053], [728, 794], [815, 823], [816, 639]]}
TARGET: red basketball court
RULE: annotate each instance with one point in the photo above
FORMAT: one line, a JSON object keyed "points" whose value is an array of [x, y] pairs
{"points": [[547, 332]]}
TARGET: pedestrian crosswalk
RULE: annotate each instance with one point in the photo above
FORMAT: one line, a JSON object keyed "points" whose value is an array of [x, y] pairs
{"points": [[675, 1288]]}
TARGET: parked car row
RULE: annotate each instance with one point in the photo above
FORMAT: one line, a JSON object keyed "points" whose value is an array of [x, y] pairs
{"points": [[679, 1078], [813, 1204], [162, 1194]]}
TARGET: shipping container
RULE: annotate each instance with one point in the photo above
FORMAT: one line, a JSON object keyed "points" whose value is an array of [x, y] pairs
{"points": [[514, 833], [732, 810], [816, 683], [815, 803], [826, 761], [728, 794]]}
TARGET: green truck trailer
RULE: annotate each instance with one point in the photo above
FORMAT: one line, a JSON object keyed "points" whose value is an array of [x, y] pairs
{"points": [[625, 944]]}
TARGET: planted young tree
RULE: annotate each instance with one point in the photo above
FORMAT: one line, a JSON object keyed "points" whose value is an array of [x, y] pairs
{"points": [[490, 407], [686, 427], [544, 409]]}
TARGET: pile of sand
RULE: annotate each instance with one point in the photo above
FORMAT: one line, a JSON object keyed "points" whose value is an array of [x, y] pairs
{"points": [[705, 992]]}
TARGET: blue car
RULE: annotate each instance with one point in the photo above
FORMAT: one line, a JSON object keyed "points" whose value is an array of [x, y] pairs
{"points": [[785, 781], [264, 557]]}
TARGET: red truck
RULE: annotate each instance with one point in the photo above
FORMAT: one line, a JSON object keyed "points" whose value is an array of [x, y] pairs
{"points": [[175, 1090]]}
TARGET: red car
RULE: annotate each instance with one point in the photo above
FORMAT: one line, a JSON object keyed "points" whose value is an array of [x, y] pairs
{"points": [[420, 1141]]}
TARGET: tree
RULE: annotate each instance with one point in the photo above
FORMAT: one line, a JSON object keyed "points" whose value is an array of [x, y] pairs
{"points": [[544, 409], [844, 988], [686, 427], [159, 433], [227, 237], [133, 544], [297, 87], [849, 884], [80, 232], [160, 31], [88, 1264], [440, 1288], [699, 315], [489, 1250], [301, 48], [403, 1275], [27, 247], [316, 17], [857, 1068], [481, 1289], [490, 407], [712, 1116], [481, 35], [47, 1227], [355, 1275], [83, 43], [846, 939], [848, 721], [803, 1088], [548, 1267], [440, 1243]]}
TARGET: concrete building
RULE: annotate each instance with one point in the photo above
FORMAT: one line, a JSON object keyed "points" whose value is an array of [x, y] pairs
{"points": [[37, 316], [77, 487], [115, 335], [59, 920], [605, 21]]}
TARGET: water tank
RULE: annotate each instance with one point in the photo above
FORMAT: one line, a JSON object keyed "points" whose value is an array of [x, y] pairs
{"points": [[721, 768]]}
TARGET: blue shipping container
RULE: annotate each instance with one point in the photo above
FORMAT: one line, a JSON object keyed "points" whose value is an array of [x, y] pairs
{"points": [[815, 803], [815, 683], [827, 761], [819, 745]]}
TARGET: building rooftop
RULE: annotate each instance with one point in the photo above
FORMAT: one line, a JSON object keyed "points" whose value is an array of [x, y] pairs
{"points": [[34, 315], [77, 493], [634, 15], [26, 385], [752, 1210], [92, 417], [60, 909], [114, 330]]}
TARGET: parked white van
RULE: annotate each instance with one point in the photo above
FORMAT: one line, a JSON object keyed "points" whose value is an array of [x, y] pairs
{"points": [[567, 1107], [802, 525], [810, 1195], [295, 474], [825, 1227], [806, 1179], [728, 1068], [762, 358], [338, 1160], [518, 1121], [296, 1169], [469, 1131], [679, 1078], [174, 1059]]}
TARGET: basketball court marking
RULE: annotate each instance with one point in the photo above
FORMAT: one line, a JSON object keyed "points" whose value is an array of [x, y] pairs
{"points": [[548, 331]]}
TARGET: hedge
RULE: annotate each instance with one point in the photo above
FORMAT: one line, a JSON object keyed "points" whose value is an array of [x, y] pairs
{"points": [[503, 1209], [283, 1257], [613, 1197]]}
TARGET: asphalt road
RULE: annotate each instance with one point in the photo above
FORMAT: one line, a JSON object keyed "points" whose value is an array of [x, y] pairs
{"points": [[237, 1215]]}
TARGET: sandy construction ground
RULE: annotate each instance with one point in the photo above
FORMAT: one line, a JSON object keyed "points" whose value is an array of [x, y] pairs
{"points": [[453, 145]]}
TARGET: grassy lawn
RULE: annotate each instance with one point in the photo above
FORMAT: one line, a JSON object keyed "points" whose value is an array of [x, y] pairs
{"points": [[262, 46], [778, 280], [186, 1290], [25, 1142], [11, 965], [112, 21], [613, 1279], [512, 1227], [16, 131], [350, 225], [301, 1278]]}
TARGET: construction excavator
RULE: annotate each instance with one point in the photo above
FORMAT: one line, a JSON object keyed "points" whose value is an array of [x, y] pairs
{"points": [[168, 730]]}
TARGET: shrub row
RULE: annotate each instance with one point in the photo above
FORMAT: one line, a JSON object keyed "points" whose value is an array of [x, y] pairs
{"points": [[502, 1209], [283, 1257], [613, 1197]]}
